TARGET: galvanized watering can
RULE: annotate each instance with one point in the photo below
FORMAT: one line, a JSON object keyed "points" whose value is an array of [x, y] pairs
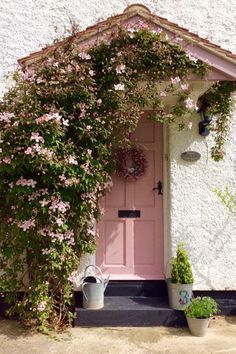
{"points": [[93, 288]]}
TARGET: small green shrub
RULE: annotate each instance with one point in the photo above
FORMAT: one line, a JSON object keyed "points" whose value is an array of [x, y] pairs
{"points": [[202, 307], [181, 268]]}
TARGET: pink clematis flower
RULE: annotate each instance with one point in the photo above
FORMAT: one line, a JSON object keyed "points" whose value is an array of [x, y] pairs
{"points": [[119, 87], [175, 80], [37, 137], [84, 56], [189, 103], [120, 69], [27, 224], [7, 160], [42, 305]]}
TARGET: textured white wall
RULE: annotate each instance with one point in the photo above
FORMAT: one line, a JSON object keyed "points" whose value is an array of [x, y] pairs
{"points": [[196, 216]]}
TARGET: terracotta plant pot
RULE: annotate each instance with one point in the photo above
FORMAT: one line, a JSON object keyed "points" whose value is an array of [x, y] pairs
{"points": [[198, 326]]}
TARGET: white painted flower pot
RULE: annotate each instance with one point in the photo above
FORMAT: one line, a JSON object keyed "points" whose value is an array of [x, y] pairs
{"points": [[179, 295], [198, 326]]}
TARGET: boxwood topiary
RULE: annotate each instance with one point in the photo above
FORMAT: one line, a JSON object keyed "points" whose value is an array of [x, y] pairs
{"points": [[181, 268]]}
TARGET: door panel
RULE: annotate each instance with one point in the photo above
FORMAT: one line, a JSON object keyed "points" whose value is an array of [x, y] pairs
{"points": [[132, 248], [144, 243]]}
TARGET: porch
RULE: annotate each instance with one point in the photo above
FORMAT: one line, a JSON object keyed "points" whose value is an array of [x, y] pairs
{"points": [[142, 304]]}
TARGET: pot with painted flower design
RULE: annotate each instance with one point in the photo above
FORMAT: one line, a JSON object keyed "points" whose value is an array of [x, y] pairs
{"points": [[180, 284]]}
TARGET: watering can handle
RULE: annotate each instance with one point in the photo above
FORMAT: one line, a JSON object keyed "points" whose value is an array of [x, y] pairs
{"points": [[84, 291], [94, 266], [106, 281]]}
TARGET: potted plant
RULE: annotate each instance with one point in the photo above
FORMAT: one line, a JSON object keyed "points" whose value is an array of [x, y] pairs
{"points": [[198, 314], [180, 285]]}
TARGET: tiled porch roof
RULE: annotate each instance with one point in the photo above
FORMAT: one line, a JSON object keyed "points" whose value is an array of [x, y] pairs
{"points": [[93, 33]]}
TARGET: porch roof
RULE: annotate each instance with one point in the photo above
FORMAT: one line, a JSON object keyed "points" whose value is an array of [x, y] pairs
{"points": [[221, 61]]}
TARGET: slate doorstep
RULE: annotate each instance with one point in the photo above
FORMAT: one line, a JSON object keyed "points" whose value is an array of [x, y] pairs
{"points": [[126, 311]]}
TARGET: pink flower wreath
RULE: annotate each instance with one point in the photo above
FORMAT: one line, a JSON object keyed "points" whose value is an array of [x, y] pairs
{"points": [[138, 160]]}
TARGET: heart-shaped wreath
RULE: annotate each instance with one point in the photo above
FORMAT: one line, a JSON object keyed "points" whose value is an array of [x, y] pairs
{"points": [[137, 166]]}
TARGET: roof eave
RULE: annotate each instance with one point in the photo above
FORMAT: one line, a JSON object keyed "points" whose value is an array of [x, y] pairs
{"points": [[221, 61]]}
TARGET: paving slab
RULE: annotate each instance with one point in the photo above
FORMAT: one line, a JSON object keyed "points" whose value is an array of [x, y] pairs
{"points": [[220, 339]]}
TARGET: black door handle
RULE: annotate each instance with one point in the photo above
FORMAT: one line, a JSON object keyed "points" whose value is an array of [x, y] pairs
{"points": [[159, 187]]}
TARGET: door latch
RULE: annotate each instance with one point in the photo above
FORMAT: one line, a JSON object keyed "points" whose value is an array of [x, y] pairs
{"points": [[159, 187]]}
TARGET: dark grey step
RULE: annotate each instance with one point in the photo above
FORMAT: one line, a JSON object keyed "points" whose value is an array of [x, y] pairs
{"points": [[127, 311], [227, 307], [152, 288]]}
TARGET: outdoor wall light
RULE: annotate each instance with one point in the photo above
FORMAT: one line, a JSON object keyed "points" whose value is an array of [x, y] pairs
{"points": [[203, 126]]}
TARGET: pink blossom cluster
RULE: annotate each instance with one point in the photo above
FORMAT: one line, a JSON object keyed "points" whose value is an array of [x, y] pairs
{"points": [[88, 128], [190, 125], [26, 224], [120, 69], [91, 232], [40, 80], [46, 251], [72, 160], [189, 103], [175, 80], [26, 182], [59, 222], [47, 117], [99, 102], [9, 220], [108, 185], [163, 94], [91, 72], [85, 166], [47, 153], [59, 205], [42, 305], [37, 137], [82, 107], [7, 160], [84, 56], [38, 149], [73, 278], [44, 202], [89, 198], [37, 194], [184, 87], [52, 116], [6, 117], [69, 181], [67, 236], [29, 75], [16, 123], [191, 57], [119, 87]]}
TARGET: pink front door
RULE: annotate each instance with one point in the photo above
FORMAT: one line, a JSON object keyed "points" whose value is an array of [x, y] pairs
{"points": [[132, 248]]}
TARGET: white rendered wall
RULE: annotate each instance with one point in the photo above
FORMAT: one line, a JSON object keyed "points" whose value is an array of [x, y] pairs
{"points": [[196, 215]]}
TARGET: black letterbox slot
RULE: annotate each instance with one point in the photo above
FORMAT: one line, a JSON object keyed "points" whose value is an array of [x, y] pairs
{"points": [[129, 213]]}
